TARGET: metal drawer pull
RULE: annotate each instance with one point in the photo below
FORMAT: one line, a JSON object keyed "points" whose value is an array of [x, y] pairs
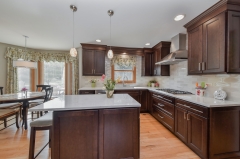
{"points": [[161, 105], [92, 71], [160, 116], [199, 67], [184, 105], [203, 66], [197, 110], [188, 117], [185, 115]]}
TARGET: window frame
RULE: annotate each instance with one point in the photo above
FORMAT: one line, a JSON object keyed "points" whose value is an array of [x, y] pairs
{"points": [[128, 81]]}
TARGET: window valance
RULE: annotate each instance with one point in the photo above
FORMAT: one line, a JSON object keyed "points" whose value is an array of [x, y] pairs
{"points": [[124, 60], [15, 53]]}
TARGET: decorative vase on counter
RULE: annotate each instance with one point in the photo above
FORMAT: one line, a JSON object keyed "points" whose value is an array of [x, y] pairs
{"points": [[109, 93], [153, 84], [93, 84], [24, 93]]}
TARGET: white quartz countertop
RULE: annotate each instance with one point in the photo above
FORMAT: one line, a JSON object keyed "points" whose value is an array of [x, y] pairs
{"points": [[81, 102], [204, 101]]}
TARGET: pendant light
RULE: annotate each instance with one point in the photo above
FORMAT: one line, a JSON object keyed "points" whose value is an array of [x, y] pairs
{"points": [[22, 63], [110, 52], [73, 51]]}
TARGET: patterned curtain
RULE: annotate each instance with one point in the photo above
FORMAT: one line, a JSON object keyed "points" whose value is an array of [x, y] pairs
{"points": [[14, 54], [12, 84], [124, 60]]}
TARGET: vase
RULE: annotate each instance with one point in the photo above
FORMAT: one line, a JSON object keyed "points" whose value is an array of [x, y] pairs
{"points": [[93, 84], [24, 93], [109, 93], [153, 84]]}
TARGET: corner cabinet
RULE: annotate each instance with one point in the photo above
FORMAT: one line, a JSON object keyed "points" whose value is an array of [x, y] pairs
{"points": [[213, 40], [93, 60], [147, 62]]}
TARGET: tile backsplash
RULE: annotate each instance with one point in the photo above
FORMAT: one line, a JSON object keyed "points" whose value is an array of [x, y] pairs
{"points": [[180, 80]]}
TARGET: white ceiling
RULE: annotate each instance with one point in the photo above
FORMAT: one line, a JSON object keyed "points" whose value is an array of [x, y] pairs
{"points": [[48, 23]]}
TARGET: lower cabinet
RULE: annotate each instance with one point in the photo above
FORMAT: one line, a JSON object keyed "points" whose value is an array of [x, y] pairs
{"points": [[138, 95], [96, 134]]}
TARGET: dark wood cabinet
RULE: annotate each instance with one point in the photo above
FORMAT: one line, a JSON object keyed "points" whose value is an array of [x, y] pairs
{"points": [[93, 59], [147, 62], [121, 140], [82, 92], [213, 40], [138, 95], [161, 50], [96, 134], [181, 124]]}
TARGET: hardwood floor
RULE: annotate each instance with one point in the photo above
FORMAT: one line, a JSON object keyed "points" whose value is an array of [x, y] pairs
{"points": [[156, 142]]}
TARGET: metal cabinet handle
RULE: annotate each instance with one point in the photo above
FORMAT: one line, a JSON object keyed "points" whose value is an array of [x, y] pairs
{"points": [[161, 105], [160, 116], [203, 66], [199, 67], [188, 117], [184, 105], [94, 71], [185, 115]]}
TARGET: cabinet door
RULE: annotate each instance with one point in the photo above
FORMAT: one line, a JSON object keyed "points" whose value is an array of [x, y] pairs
{"points": [[75, 134], [148, 61], [233, 51], [119, 133], [197, 134], [195, 51], [87, 62], [181, 124], [99, 63], [214, 45], [144, 101]]}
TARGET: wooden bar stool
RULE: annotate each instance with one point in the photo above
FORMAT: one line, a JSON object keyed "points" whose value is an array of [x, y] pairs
{"points": [[42, 123], [5, 113], [5, 106]]}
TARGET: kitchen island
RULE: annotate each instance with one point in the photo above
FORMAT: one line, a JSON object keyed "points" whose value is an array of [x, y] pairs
{"points": [[94, 126]]}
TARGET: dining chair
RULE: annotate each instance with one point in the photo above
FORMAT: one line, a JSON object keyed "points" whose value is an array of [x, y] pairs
{"points": [[42, 123], [9, 106], [33, 103], [42, 87], [6, 113]]}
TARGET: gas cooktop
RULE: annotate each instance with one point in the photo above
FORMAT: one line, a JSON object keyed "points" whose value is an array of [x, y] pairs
{"points": [[173, 91]]}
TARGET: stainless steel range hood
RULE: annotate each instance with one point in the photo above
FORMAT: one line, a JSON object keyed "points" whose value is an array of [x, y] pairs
{"points": [[179, 52]]}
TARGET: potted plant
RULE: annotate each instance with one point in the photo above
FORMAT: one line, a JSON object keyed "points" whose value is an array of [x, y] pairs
{"points": [[93, 82], [153, 83]]}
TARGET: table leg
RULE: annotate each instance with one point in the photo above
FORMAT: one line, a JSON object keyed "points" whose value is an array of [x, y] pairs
{"points": [[24, 113]]}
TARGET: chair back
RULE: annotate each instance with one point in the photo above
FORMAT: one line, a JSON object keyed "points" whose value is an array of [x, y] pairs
{"points": [[48, 95], [1, 90], [42, 87]]}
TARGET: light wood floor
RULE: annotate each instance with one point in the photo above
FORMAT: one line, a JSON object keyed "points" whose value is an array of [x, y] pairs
{"points": [[156, 142]]}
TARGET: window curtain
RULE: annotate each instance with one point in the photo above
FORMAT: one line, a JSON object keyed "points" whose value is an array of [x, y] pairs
{"points": [[15, 53], [124, 60], [12, 84]]}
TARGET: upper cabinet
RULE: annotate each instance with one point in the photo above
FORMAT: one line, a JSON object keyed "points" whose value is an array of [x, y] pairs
{"points": [[161, 50], [93, 59], [147, 62], [213, 40]]}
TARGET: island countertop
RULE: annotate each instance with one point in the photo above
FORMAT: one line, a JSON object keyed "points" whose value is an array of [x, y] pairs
{"points": [[77, 102]]}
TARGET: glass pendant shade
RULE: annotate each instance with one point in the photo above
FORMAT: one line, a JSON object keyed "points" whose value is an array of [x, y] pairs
{"points": [[73, 52], [26, 64], [110, 54]]}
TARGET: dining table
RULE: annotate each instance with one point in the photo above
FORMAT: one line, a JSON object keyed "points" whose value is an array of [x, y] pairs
{"points": [[24, 98]]}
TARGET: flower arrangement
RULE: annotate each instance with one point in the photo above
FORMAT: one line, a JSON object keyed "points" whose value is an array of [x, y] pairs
{"points": [[93, 80], [24, 89], [109, 85]]}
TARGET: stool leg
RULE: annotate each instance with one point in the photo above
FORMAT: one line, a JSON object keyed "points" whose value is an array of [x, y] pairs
{"points": [[5, 123], [41, 113], [32, 143], [20, 111], [17, 119]]}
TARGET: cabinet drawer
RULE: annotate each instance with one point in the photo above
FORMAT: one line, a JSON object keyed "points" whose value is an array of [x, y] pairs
{"points": [[164, 106], [164, 98], [194, 108], [163, 118], [82, 92]]}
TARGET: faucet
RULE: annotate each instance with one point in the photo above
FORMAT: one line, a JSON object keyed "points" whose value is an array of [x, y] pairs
{"points": [[125, 77]]}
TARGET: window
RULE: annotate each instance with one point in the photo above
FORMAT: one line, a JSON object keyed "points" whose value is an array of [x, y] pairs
{"points": [[126, 72], [23, 78], [54, 75]]}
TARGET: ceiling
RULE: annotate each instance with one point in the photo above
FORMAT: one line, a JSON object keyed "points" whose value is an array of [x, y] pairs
{"points": [[135, 22]]}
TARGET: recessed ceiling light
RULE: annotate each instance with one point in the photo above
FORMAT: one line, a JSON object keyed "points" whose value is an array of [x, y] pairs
{"points": [[98, 40], [179, 17], [147, 44]]}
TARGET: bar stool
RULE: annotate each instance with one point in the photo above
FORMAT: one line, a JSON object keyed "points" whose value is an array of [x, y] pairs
{"points": [[5, 113], [42, 123]]}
